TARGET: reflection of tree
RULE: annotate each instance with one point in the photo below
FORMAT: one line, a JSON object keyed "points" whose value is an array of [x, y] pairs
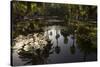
{"points": [[85, 45], [85, 42], [65, 40], [72, 48], [51, 33], [57, 48], [65, 34]]}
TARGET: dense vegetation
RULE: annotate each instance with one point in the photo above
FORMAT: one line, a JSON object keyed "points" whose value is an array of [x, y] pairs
{"points": [[27, 16], [20, 10]]}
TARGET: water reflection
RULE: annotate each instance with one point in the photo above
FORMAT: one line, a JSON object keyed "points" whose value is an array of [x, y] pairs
{"points": [[36, 57], [64, 33], [40, 58], [63, 46], [85, 42], [51, 33], [57, 47], [72, 48]]}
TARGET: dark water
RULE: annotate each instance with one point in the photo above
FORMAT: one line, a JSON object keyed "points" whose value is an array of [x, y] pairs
{"points": [[64, 49]]}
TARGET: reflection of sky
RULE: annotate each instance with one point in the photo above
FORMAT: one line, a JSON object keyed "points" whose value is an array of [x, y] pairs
{"points": [[65, 54]]}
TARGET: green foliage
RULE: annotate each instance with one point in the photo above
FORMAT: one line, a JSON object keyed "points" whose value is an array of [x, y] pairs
{"points": [[64, 11], [86, 39], [19, 8]]}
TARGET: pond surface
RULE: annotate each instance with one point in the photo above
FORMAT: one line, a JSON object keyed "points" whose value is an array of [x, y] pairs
{"points": [[65, 49]]}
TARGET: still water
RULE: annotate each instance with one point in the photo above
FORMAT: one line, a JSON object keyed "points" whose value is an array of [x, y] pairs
{"points": [[64, 49]]}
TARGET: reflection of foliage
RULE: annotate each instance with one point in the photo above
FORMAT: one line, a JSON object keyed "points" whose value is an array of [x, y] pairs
{"points": [[34, 48], [85, 39], [65, 40], [57, 36], [84, 43], [37, 57], [72, 49], [65, 33], [51, 33], [57, 49], [23, 14]]}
